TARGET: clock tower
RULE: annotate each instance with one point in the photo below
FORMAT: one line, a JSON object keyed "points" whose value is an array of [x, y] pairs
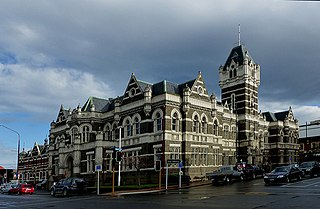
{"points": [[239, 83]]}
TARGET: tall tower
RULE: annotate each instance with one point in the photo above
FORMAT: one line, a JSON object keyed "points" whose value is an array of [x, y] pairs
{"points": [[239, 82]]}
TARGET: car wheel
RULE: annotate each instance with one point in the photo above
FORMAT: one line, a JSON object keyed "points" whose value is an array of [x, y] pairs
{"points": [[287, 180], [299, 178], [52, 192], [226, 180], [254, 176], [65, 192], [19, 193]]}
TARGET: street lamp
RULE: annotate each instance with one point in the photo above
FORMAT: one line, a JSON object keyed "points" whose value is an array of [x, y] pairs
{"points": [[18, 146]]}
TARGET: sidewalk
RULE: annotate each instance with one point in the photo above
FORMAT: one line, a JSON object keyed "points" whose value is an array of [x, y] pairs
{"points": [[154, 190]]}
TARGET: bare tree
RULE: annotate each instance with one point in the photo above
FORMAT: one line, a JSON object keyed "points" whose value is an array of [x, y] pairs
{"points": [[140, 162]]}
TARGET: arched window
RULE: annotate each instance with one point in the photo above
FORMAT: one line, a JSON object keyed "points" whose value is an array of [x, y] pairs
{"points": [[226, 131], [230, 74], [215, 128], [115, 132], [234, 72], [158, 122], [108, 134], [137, 126], [85, 134], [74, 132], [196, 124], [234, 132], [174, 122], [128, 128], [204, 125]]}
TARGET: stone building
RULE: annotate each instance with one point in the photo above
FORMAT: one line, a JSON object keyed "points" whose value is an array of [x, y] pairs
{"points": [[33, 163], [164, 121]]}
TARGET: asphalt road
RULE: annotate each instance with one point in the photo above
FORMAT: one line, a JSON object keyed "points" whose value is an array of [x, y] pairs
{"points": [[249, 194]]}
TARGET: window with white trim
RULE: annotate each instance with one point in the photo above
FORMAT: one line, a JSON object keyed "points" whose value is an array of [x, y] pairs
{"points": [[226, 131], [215, 128], [108, 134], [90, 163], [128, 128], [137, 126], [204, 125], [196, 124], [158, 122], [85, 134], [174, 122]]}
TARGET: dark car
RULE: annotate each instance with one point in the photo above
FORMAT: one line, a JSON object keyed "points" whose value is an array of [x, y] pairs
{"points": [[226, 174], [258, 170], [283, 174], [69, 186], [310, 168], [42, 184]]}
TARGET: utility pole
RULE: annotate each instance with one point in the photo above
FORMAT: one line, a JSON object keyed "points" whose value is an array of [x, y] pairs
{"points": [[119, 176], [18, 146]]}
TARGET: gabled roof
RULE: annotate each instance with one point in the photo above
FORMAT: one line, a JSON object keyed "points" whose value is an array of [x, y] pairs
{"points": [[100, 105], [63, 114], [278, 116], [270, 116], [238, 54]]}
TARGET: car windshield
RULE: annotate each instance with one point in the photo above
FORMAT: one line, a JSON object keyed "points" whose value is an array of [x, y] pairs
{"points": [[306, 164], [280, 169]]}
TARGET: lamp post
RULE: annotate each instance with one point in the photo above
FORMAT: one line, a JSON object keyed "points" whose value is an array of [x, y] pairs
{"points": [[18, 146]]}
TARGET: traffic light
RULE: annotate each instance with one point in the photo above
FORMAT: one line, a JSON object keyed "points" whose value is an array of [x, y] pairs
{"points": [[118, 156], [158, 165]]}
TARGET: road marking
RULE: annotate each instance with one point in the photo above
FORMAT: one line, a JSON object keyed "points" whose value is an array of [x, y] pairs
{"points": [[257, 193], [303, 186]]}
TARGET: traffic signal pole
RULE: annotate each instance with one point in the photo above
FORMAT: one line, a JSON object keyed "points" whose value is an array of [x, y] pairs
{"points": [[160, 179]]}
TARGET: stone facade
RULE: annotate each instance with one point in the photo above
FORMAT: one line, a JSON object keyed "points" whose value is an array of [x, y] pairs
{"points": [[33, 163], [164, 121]]}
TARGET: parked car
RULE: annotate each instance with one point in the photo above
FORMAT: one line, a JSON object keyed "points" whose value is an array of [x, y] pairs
{"points": [[310, 168], [10, 189], [25, 189], [283, 174], [226, 174], [247, 170], [69, 186], [42, 184], [258, 170]]}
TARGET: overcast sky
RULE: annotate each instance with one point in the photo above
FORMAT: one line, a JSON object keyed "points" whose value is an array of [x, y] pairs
{"points": [[61, 52]]}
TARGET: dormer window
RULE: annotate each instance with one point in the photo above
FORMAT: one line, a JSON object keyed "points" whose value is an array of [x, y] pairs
{"points": [[200, 90], [132, 92]]}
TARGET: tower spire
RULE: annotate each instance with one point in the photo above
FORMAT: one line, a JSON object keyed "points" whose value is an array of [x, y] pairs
{"points": [[239, 42]]}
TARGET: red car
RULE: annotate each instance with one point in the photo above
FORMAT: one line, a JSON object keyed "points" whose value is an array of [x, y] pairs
{"points": [[25, 189]]}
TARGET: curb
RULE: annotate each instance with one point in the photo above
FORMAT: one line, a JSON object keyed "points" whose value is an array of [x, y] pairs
{"points": [[146, 191]]}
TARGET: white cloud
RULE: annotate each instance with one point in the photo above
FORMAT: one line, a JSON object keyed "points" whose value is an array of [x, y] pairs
{"points": [[304, 113], [42, 90]]}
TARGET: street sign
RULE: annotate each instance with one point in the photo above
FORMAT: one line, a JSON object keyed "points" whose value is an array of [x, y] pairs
{"points": [[173, 161], [180, 165], [98, 168]]}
